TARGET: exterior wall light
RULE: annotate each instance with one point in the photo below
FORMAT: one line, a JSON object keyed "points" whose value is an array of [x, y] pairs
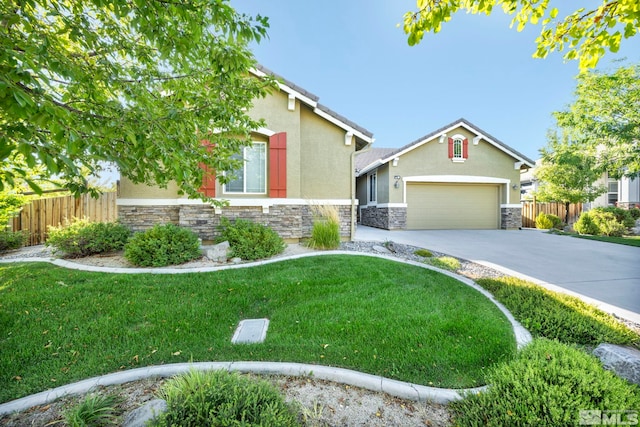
{"points": [[397, 183]]}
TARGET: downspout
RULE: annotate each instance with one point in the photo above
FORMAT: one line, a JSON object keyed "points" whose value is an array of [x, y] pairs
{"points": [[353, 187]]}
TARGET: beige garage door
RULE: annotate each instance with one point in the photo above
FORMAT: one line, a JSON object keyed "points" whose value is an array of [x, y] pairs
{"points": [[452, 206]]}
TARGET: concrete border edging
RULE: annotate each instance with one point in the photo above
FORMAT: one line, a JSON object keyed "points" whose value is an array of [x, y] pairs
{"points": [[371, 382], [375, 383]]}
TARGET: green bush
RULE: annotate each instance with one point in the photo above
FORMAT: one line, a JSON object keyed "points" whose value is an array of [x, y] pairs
{"points": [[555, 219], [426, 253], [557, 316], [12, 239], [249, 240], [164, 244], [543, 222], [219, 398], [635, 213], [607, 223], [445, 262], [623, 216], [10, 205], [585, 225], [83, 238], [548, 384]]}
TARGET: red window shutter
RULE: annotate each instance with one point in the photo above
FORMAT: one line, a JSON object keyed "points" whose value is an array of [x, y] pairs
{"points": [[209, 179], [278, 165], [451, 148], [465, 148]]}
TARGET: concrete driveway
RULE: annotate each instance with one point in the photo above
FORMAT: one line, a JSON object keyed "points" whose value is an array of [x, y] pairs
{"points": [[605, 274]]}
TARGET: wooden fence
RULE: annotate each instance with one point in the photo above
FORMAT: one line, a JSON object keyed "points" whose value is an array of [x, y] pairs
{"points": [[38, 215], [531, 209]]}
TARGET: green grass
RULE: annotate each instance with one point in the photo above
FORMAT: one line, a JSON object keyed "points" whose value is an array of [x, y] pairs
{"points": [[558, 316], [623, 240], [368, 314]]}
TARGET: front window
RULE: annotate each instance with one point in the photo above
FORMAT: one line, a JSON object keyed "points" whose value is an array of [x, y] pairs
{"points": [[373, 187], [251, 178], [612, 192]]}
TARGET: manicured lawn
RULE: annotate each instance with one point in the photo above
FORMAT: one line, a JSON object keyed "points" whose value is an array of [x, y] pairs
{"points": [[624, 240], [369, 314]]}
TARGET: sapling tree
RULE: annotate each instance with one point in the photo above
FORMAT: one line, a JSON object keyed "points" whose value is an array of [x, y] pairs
{"points": [[567, 174]]}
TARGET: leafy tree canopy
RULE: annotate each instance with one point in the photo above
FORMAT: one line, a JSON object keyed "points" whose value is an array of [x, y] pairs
{"points": [[567, 173], [604, 119], [584, 34], [139, 83]]}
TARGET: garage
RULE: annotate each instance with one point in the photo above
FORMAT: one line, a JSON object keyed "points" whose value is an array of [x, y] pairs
{"points": [[432, 206]]}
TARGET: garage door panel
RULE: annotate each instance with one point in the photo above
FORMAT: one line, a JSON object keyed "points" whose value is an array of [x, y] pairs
{"points": [[452, 206]]}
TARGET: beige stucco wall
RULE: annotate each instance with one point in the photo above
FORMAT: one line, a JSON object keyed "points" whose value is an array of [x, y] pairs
{"points": [[129, 190], [432, 159], [325, 159]]}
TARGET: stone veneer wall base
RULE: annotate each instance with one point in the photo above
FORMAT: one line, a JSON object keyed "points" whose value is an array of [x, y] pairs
{"points": [[291, 222]]}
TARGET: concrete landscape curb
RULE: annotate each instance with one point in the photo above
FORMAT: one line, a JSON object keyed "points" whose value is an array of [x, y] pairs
{"points": [[344, 376]]}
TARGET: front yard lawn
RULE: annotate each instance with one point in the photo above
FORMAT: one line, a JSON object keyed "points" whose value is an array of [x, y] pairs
{"points": [[373, 315], [623, 240]]}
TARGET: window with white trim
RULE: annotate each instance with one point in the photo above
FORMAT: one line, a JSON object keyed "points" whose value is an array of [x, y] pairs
{"points": [[251, 178], [373, 187], [612, 192]]}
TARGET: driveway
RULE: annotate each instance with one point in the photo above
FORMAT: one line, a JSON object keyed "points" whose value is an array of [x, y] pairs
{"points": [[606, 274]]}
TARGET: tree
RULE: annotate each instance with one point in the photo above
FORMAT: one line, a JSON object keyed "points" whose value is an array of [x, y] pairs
{"points": [[584, 34], [605, 120], [138, 83], [567, 174]]}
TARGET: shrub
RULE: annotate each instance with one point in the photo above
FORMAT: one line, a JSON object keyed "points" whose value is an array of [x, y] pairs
{"points": [[623, 216], [10, 205], [93, 410], [446, 263], [219, 398], [12, 239], [607, 223], [555, 219], [547, 384], [557, 316], [83, 238], [164, 244], [326, 228], [543, 221], [585, 225], [423, 253], [635, 213], [249, 240]]}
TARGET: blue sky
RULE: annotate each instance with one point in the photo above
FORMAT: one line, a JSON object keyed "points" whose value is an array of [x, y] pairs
{"points": [[351, 54]]}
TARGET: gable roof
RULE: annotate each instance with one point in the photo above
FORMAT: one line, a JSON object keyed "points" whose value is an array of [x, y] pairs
{"points": [[308, 98], [390, 155], [367, 157]]}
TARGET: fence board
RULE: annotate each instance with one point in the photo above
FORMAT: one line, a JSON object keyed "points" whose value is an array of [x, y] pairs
{"points": [[40, 214], [531, 209]]}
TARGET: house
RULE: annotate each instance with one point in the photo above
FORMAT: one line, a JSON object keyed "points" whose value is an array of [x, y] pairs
{"points": [[623, 192], [304, 156], [456, 177]]}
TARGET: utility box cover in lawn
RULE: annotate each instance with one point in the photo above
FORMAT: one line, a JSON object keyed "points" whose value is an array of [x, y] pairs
{"points": [[250, 331]]}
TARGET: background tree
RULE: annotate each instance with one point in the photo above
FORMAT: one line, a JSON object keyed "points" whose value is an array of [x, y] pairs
{"points": [[567, 174], [138, 83], [605, 120], [584, 34]]}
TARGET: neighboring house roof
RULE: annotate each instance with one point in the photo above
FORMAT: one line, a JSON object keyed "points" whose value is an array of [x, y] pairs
{"points": [[367, 157], [388, 156], [312, 101]]}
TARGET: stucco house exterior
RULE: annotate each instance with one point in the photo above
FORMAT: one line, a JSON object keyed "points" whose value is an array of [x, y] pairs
{"points": [[456, 177], [304, 156]]}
